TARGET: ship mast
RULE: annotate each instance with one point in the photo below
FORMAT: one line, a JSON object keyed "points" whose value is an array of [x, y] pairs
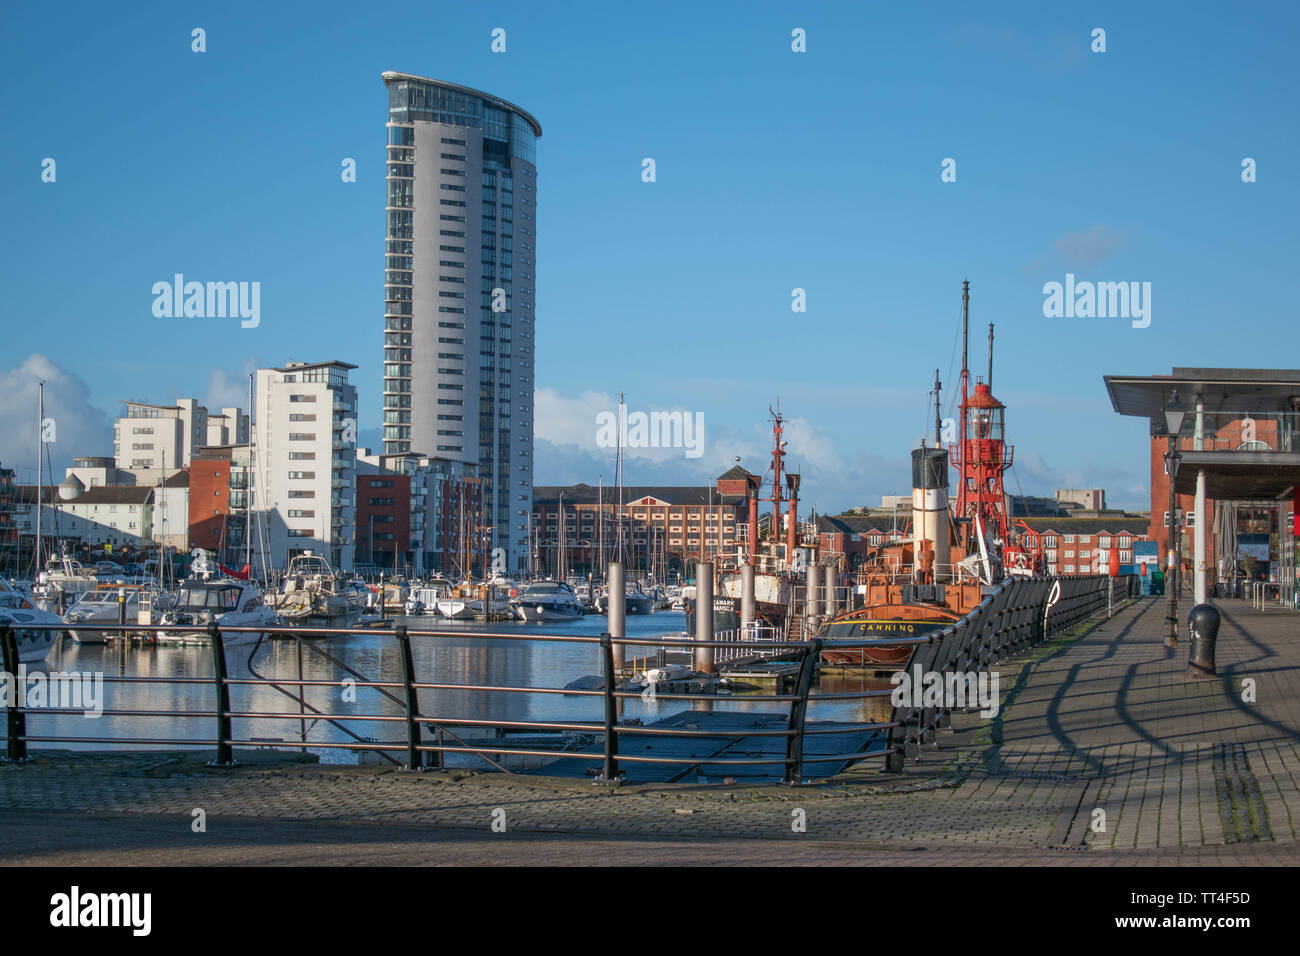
{"points": [[982, 454], [40, 448], [777, 455], [989, 380], [938, 422], [965, 391], [618, 469]]}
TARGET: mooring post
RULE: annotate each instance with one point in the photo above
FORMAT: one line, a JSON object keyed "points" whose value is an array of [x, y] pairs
{"points": [[225, 755], [16, 722], [610, 771], [616, 606], [747, 616], [704, 656], [414, 759], [799, 710], [121, 612], [1203, 625], [811, 597]]}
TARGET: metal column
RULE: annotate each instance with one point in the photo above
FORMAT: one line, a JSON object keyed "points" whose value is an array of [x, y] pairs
{"points": [[616, 610], [704, 616]]}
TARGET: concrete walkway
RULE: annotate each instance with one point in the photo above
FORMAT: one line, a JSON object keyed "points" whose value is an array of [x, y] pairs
{"points": [[1102, 754]]}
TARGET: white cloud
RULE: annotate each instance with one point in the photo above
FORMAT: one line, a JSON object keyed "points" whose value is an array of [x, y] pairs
{"points": [[565, 452], [80, 428], [226, 390], [1090, 247]]}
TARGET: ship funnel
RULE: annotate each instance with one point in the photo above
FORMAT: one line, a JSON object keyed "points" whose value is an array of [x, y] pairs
{"points": [[930, 547]]}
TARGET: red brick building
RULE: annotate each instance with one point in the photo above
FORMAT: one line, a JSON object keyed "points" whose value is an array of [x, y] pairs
{"points": [[853, 535], [384, 519], [1234, 436], [1073, 546], [665, 528], [209, 499]]}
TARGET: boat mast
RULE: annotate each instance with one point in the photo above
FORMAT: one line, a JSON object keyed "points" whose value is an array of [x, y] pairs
{"points": [[965, 401], [618, 469], [40, 447], [774, 533], [248, 486], [598, 574], [989, 380], [938, 424]]}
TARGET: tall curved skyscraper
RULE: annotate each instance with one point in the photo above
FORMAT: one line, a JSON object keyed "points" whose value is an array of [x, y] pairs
{"points": [[459, 290]]}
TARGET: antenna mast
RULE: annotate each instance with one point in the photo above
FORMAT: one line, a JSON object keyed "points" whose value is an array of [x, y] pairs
{"points": [[990, 378], [938, 423]]}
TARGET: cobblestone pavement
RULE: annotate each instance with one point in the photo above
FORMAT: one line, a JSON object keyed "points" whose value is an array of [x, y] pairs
{"points": [[1102, 754]]}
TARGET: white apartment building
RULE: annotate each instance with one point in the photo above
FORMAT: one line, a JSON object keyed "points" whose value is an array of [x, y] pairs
{"points": [[306, 461], [228, 428], [460, 284], [157, 437]]}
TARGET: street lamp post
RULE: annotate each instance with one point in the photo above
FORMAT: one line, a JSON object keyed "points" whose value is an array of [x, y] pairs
{"points": [[1174, 413]]}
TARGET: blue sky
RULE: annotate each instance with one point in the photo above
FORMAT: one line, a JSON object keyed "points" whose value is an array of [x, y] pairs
{"points": [[775, 170]]}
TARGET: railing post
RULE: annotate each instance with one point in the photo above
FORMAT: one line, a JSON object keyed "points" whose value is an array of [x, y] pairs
{"points": [[610, 772], [16, 729], [225, 755], [414, 759], [799, 711]]}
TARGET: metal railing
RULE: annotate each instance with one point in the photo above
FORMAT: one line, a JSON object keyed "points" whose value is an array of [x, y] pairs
{"points": [[748, 641], [1019, 614], [1266, 594]]}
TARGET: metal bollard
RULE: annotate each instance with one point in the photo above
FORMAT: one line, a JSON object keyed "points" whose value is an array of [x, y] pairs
{"points": [[746, 596], [616, 612], [704, 656], [1203, 624], [810, 603]]}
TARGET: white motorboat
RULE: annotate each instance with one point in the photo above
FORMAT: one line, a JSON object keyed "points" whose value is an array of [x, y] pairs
{"points": [[428, 596], [548, 601], [62, 582], [470, 600], [313, 595], [227, 601], [456, 609], [21, 613], [100, 606]]}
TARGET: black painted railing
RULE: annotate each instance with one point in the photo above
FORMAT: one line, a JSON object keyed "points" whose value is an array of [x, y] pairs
{"points": [[1015, 617]]}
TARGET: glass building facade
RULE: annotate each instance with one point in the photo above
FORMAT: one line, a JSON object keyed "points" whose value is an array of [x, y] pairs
{"points": [[460, 264]]}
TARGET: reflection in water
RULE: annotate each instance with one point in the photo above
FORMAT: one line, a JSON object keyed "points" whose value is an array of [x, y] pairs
{"points": [[867, 710], [446, 660]]}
